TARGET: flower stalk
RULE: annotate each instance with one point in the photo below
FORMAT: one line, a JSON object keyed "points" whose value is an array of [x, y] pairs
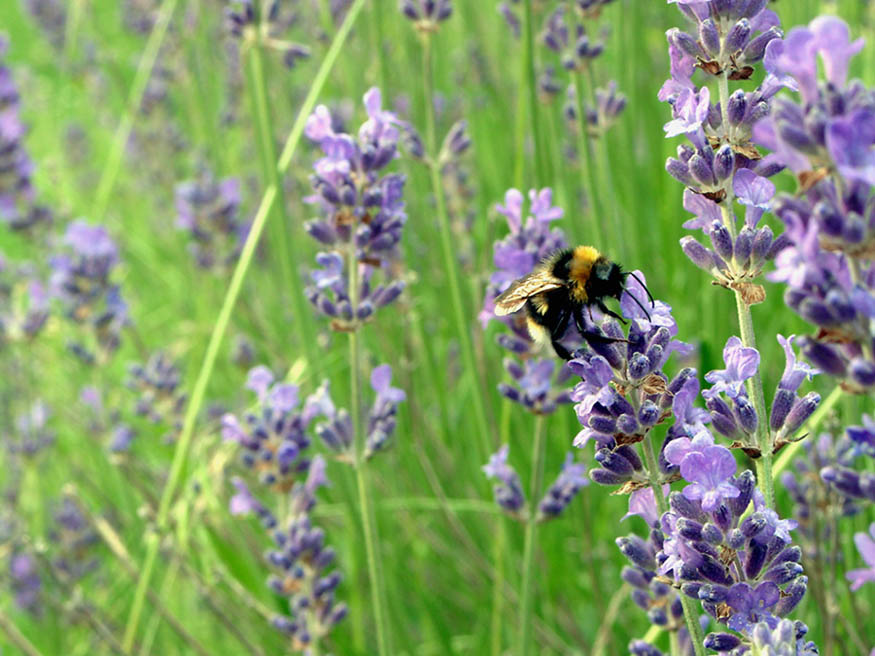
{"points": [[536, 482]]}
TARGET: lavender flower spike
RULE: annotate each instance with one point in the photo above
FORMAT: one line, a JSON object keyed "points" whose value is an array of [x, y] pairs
{"points": [[508, 491], [866, 547], [570, 481]]}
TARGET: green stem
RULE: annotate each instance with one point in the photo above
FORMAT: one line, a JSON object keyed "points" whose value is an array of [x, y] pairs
{"points": [[537, 476], [280, 225], [542, 172], [451, 265], [499, 552], [358, 445], [691, 611], [755, 391], [763, 435], [674, 643], [144, 71], [16, 637], [183, 446], [587, 162]]}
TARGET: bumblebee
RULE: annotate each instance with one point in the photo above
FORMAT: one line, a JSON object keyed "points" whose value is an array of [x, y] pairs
{"points": [[559, 289]]}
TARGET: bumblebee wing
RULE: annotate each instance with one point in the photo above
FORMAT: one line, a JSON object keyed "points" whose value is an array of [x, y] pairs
{"points": [[515, 296]]}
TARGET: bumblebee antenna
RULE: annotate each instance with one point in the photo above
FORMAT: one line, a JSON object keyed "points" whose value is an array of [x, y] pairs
{"points": [[649, 295], [638, 303]]}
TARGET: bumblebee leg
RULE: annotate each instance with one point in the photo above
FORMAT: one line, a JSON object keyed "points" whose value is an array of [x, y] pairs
{"points": [[604, 308], [590, 336], [557, 333]]}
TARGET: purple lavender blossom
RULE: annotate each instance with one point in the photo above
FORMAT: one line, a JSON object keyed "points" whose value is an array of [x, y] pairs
{"points": [[30, 433], [825, 259], [26, 582], [381, 418], [160, 398], [209, 211], [741, 363], [51, 16], [721, 164], [265, 23], [866, 547], [73, 542], [24, 302], [274, 438], [427, 14], [571, 479], [18, 209], [82, 280], [276, 445], [508, 491], [362, 211]]}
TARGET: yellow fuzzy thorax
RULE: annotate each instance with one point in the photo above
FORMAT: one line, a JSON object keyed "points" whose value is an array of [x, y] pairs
{"points": [[582, 261]]}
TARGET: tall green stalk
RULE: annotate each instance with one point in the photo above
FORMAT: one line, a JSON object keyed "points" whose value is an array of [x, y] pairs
{"points": [[110, 172], [359, 462], [754, 384], [587, 161], [180, 454], [530, 81], [526, 614], [691, 612], [461, 314]]}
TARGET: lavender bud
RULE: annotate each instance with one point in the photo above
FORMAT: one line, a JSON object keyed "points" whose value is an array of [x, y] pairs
{"points": [[753, 525], [736, 107], [603, 424], [752, 7], [627, 424], [712, 534], [713, 594], [630, 454], [738, 36], [801, 411], [698, 254], [744, 245], [721, 240], [844, 480], [862, 372], [746, 415], [781, 405], [635, 577], [689, 528], [724, 163], [637, 551], [614, 463], [684, 507], [685, 42], [709, 37], [754, 560], [639, 366], [791, 596], [823, 356], [735, 539], [761, 243], [605, 477], [783, 573], [648, 414], [722, 642], [701, 170], [679, 171]]}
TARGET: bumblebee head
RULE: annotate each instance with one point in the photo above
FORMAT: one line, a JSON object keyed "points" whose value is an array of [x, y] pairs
{"points": [[607, 280]]}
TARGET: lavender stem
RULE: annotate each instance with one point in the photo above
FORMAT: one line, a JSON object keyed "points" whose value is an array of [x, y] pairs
{"points": [[537, 477]]}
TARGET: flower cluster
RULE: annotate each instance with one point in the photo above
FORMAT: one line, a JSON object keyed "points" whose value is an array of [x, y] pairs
{"points": [[509, 494], [160, 399], [24, 302], [275, 445], [363, 215], [81, 278], [565, 35], [866, 547], [721, 165], [72, 541], [17, 207], [841, 476], [31, 433], [623, 392], [818, 506], [427, 15], [336, 432], [274, 438], [265, 23], [209, 211], [830, 227], [51, 16], [26, 582], [536, 383]]}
